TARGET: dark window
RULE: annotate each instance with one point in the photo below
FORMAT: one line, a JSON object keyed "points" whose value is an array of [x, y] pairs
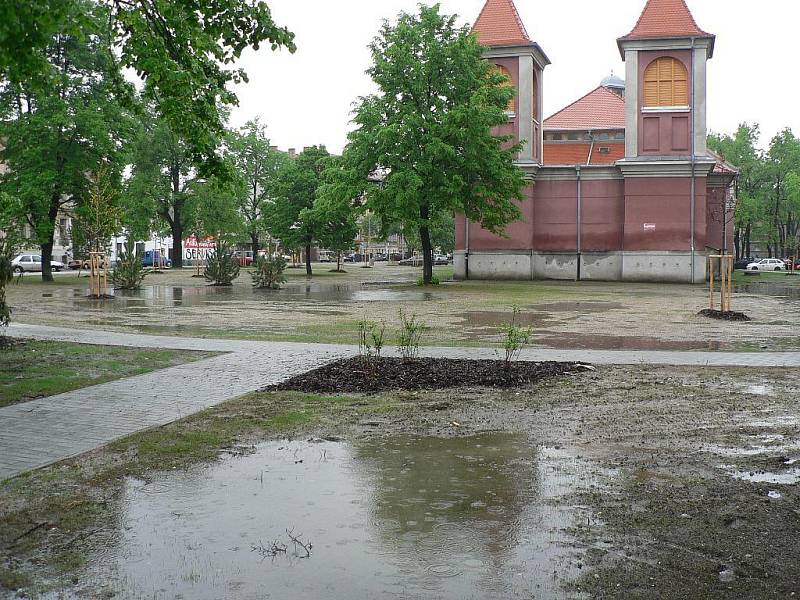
{"points": [[605, 150]]}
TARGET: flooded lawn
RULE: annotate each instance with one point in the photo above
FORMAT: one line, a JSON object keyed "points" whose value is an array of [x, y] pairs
{"points": [[326, 308], [405, 517]]}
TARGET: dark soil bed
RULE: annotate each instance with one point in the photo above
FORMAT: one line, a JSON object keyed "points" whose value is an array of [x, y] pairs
{"points": [[354, 375], [730, 315]]}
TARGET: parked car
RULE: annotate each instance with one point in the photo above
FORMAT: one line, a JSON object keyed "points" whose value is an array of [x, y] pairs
{"points": [[743, 262], [767, 264], [441, 259], [151, 256], [32, 262], [414, 261], [83, 263]]}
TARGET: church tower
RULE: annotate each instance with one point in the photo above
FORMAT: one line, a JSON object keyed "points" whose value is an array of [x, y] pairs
{"points": [[666, 164], [665, 103], [500, 27]]}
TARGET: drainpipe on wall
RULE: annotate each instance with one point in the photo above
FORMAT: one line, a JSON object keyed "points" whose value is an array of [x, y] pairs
{"points": [[693, 191], [591, 148], [578, 221], [466, 247]]}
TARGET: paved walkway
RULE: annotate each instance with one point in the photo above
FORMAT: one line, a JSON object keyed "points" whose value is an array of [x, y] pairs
{"points": [[40, 432]]}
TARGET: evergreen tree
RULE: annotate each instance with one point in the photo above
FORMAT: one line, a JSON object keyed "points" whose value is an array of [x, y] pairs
{"points": [[222, 267]]}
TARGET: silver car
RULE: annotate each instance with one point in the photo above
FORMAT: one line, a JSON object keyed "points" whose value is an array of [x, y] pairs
{"points": [[32, 262]]}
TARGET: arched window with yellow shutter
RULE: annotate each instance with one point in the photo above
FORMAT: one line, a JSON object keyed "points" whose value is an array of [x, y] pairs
{"points": [[512, 104], [666, 83]]}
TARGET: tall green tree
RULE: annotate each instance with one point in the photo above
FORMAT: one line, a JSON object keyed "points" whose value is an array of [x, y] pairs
{"points": [[429, 130], [292, 217], [257, 167], [752, 184], [183, 50], [54, 135], [783, 162], [158, 197]]}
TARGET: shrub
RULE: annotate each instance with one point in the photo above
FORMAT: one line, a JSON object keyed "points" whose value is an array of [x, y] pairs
{"points": [[222, 267], [129, 271], [268, 273], [408, 338], [434, 281], [514, 337], [370, 340]]}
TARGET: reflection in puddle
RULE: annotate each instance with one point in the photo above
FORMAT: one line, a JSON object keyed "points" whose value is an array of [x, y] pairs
{"points": [[580, 307], [164, 296], [620, 342], [770, 288], [404, 517], [790, 477]]}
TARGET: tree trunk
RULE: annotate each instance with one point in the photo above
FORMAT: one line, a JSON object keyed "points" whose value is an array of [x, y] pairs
{"points": [[255, 244], [338, 261], [47, 259], [308, 259], [747, 240], [737, 243], [177, 240], [427, 255]]}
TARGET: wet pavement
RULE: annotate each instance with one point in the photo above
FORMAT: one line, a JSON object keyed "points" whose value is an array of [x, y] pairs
{"points": [[403, 517]]}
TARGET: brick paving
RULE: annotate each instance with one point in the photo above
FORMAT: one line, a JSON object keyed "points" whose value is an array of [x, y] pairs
{"points": [[40, 432]]}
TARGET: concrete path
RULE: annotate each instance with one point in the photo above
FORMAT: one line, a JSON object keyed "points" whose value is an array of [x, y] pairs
{"points": [[40, 432]]}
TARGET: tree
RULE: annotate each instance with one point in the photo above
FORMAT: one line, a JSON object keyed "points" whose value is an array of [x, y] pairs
{"points": [[291, 216], [336, 224], [257, 166], [752, 184], [783, 160], [442, 234], [158, 197], [54, 135], [98, 217], [429, 130], [9, 244], [181, 50]]}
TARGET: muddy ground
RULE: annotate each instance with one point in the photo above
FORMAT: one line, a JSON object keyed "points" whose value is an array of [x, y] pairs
{"points": [[327, 308], [679, 483]]}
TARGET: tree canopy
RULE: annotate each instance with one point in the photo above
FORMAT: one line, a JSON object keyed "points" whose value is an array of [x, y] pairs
{"points": [[423, 145], [54, 136], [768, 189], [183, 50]]}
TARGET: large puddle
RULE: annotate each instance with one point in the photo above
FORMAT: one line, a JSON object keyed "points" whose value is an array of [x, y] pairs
{"points": [[163, 296], [406, 517], [789, 289]]}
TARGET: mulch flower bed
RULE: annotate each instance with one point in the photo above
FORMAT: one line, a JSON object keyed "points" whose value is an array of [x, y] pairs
{"points": [[730, 315], [355, 375]]}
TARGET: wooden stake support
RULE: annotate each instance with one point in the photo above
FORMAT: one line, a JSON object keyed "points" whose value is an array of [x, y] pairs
{"points": [[725, 263], [98, 274]]}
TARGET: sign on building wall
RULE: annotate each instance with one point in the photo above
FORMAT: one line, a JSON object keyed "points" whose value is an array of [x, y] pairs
{"points": [[649, 226], [194, 249]]}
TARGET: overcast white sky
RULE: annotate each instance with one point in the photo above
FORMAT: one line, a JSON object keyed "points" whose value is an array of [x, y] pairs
{"points": [[305, 98]]}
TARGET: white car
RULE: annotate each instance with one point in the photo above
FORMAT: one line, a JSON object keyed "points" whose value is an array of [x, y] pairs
{"points": [[32, 262], [767, 264]]}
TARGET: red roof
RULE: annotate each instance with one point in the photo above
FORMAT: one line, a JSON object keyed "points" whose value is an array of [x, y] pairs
{"points": [[576, 153], [599, 109], [665, 19], [499, 24]]}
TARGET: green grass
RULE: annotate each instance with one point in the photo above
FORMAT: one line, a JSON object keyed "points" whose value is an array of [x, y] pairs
{"points": [[36, 369]]}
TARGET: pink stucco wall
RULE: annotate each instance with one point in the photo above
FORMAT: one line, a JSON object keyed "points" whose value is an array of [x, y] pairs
{"points": [[657, 213], [637, 214]]}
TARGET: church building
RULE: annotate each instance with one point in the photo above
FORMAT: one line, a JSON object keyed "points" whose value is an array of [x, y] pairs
{"points": [[622, 186]]}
